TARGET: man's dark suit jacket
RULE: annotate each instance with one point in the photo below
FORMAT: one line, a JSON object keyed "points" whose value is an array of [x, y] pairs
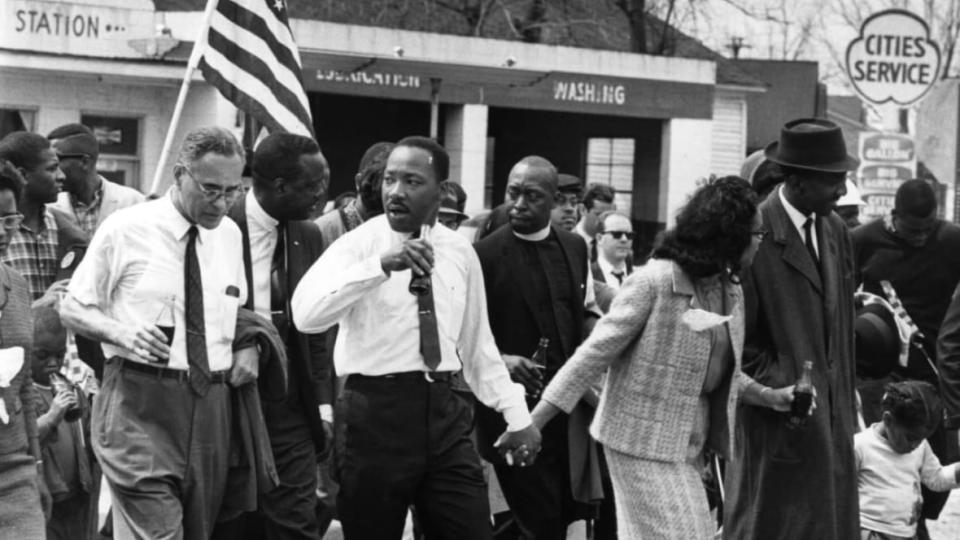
{"points": [[310, 372], [511, 307]]}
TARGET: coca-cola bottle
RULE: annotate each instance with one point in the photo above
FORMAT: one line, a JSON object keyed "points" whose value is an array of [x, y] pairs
{"points": [[60, 384], [802, 398], [540, 359]]}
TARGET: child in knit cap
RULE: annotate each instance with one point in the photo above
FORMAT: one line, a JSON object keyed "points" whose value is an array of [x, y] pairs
{"points": [[893, 459]]}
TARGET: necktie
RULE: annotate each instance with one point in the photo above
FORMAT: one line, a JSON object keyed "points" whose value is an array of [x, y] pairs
{"points": [[196, 329], [422, 287], [278, 284], [808, 232], [619, 276]]}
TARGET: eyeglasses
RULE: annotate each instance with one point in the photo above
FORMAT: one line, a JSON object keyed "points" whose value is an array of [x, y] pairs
{"points": [[62, 157], [761, 234], [11, 221], [213, 192], [620, 234]]}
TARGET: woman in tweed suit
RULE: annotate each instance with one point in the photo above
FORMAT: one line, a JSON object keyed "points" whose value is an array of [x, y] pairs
{"points": [[671, 346], [21, 514]]}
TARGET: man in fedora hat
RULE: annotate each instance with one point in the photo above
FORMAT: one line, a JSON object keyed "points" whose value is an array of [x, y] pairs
{"points": [[799, 483]]}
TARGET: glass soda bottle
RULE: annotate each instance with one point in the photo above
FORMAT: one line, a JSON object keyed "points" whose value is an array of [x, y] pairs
{"points": [[802, 398], [540, 359]]}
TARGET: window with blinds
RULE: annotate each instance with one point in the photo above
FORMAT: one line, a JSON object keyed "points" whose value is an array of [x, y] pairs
{"points": [[610, 161]]}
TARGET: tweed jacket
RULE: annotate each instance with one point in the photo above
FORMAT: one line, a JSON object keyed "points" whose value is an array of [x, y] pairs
{"points": [[657, 364], [19, 435], [115, 197]]}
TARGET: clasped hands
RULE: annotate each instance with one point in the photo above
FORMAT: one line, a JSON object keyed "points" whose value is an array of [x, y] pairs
{"points": [[519, 448]]}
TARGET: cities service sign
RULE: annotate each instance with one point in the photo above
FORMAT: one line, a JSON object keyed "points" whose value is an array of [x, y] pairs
{"points": [[893, 59]]}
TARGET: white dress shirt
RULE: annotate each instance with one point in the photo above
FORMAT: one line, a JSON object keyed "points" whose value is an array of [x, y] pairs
{"points": [[798, 219], [262, 228], [134, 269], [608, 271], [379, 327]]}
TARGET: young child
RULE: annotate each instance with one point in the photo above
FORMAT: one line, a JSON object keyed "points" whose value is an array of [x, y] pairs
{"points": [[68, 465], [893, 458]]}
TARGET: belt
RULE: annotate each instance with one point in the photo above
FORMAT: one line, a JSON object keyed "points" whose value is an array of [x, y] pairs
{"points": [[407, 376], [180, 375]]}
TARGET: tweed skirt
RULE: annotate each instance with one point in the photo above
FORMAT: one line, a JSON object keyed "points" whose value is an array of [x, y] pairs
{"points": [[658, 500], [21, 515]]}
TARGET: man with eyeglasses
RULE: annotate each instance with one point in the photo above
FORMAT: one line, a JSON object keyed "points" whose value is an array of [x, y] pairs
{"points": [[917, 254], [160, 288], [538, 285], [46, 245], [88, 197], [614, 248], [290, 179]]}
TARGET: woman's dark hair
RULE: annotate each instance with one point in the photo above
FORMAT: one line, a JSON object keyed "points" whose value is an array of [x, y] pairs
{"points": [[713, 228]]}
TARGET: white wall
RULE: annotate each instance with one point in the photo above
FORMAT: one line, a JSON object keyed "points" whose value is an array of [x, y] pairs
{"points": [[729, 132], [465, 137], [60, 98], [687, 147]]}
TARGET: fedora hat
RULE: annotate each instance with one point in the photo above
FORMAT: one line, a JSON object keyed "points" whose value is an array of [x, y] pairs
{"points": [[814, 144]]}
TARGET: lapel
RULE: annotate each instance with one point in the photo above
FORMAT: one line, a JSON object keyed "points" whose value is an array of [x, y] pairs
{"points": [[512, 255], [4, 285], [683, 285], [735, 327], [579, 279], [296, 253], [238, 213], [793, 250]]}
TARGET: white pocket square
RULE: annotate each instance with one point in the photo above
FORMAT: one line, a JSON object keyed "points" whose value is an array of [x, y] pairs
{"points": [[699, 320]]}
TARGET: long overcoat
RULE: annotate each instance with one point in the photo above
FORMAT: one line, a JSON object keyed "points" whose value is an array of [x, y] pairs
{"points": [[797, 483]]}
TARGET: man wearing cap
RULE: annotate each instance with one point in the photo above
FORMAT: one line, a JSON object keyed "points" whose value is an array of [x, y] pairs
{"points": [[912, 257], [799, 483], [848, 206], [566, 213], [47, 246], [451, 205], [88, 197]]}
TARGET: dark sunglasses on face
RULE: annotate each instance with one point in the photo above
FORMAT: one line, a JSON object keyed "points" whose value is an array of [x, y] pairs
{"points": [[620, 234], [62, 157]]}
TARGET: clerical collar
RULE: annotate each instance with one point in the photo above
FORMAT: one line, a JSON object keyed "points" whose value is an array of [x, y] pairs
{"points": [[538, 236]]}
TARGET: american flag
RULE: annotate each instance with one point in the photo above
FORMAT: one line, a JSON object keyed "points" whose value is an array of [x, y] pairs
{"points": [[252, 59]]}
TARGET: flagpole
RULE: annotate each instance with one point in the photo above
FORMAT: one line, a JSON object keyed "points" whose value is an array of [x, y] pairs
{"points": [[192, 63]]}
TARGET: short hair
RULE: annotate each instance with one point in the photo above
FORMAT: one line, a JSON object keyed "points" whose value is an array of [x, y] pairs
{"points": [[11, 179], [456, 190], [85, 137], [438, 154], [598, 192], [915, 198], [278, 156], [601, 227], [208, 140], [913, 404], [370, 175], [713, 229], [23, 149]]}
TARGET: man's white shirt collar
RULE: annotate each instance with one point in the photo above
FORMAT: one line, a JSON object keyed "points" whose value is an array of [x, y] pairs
{"points": [[798, 219], [257, 214], [542, 234]]}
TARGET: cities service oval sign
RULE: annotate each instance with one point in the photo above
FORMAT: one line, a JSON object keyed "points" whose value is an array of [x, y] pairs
{"points": [[893, 58]]}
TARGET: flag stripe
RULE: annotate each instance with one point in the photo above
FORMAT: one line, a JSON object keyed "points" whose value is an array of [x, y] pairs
{"points": [[227, 37], [252, 59], [255, 98], [232, 15]]}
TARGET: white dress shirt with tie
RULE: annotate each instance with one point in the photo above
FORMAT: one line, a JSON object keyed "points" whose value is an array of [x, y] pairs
{"points": [[379, 327], [262, 228], [134, 268], [798, 220]]}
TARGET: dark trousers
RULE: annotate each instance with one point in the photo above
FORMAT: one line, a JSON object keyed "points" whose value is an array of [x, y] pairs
{"points": [[164, 452], [403, 441], [287, 512], [539, 496]]}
